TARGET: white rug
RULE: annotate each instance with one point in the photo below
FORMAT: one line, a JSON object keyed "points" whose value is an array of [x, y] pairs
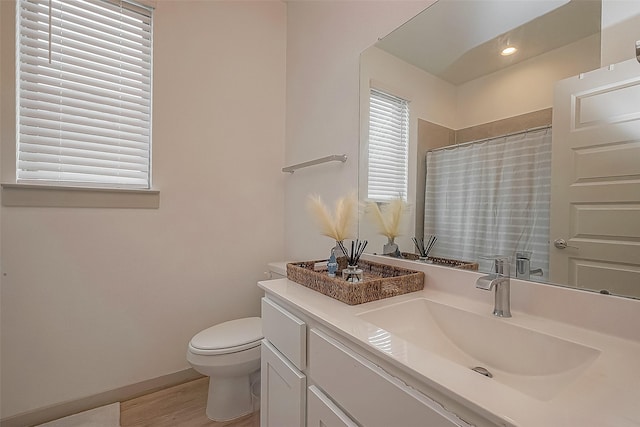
{"points": [[105, 416]]}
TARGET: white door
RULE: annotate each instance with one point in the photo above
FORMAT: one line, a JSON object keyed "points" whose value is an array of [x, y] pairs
{"points": [[595, 195]]}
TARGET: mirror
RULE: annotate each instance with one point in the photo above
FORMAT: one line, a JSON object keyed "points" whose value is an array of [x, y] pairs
{"points": [[445, 62]]}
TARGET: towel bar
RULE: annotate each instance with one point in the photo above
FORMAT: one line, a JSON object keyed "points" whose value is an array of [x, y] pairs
{"points": [[333, 158]]}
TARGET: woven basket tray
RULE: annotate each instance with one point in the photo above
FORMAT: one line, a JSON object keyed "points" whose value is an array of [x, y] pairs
{"points": [[462, 265], [380, 280]]}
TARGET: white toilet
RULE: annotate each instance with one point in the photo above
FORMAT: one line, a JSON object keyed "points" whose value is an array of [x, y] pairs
{"points": [[228, 353]]}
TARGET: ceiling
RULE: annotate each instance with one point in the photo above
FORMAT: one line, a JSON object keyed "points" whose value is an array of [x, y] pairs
{"points": [[451, 40]]}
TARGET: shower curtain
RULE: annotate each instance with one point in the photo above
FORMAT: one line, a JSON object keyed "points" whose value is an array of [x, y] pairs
{"points": [[491, 198]]}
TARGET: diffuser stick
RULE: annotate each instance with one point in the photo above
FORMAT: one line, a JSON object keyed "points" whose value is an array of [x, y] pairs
{"points": [[361, 247], [424, 249], [351, 257], [344, 250], [357, 248], [432, 241], [420, 246]]}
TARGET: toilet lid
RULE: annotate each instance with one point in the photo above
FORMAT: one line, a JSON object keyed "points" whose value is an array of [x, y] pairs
{"points": [[231, 336]]}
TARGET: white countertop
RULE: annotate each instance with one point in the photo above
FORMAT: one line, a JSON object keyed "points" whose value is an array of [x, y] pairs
{"points": [[606, 393]]}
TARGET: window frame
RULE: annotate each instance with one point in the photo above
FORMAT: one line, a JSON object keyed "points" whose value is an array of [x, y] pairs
{"points": [[55, 185]]}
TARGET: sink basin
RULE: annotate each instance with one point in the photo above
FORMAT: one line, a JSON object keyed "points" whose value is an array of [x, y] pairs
{"points": [[532, 362]]}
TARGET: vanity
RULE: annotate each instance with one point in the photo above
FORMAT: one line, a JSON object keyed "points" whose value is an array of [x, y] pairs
{"points": [[438, 357]]}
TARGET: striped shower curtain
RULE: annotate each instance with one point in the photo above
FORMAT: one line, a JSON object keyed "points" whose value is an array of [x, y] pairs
{"points": [[491, 198]]}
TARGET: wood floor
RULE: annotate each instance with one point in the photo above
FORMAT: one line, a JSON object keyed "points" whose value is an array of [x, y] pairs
{"points": [[179, 406]]}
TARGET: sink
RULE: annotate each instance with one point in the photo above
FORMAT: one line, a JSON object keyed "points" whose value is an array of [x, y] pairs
{"points": [[531, 362]]}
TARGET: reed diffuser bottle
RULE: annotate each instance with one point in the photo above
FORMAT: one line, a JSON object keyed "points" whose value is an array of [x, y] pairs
{"points": [[424, 248], [352, 273]]}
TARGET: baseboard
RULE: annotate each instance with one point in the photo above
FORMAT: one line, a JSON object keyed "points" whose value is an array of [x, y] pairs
{"points": [[53, 412]]}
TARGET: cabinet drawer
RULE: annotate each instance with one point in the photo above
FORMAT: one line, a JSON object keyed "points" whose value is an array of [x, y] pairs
{"points": [[286, 332], [355, 383]]}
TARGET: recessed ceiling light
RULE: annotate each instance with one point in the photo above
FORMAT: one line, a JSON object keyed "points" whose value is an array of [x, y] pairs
{"points": [[508, 51]]}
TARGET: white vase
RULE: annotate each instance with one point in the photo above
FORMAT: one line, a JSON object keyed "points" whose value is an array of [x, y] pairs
{"points": [[390, 248]]}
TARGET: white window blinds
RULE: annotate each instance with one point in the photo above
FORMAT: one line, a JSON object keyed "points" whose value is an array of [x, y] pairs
{"points": [[491, 198], [388, 147], [84, 93]]}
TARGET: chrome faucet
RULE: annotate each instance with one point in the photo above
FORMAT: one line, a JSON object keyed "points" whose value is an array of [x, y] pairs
{"points": [[523, 266], [499, 280]]}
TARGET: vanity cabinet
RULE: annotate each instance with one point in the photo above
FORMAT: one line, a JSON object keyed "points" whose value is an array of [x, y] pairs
{"points": [[311, 377]]}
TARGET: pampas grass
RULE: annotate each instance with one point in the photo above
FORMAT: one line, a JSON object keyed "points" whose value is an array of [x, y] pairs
{"points": [[388, 218], [340, 225]]}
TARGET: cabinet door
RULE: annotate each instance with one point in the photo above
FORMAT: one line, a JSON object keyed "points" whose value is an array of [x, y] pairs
{"points": [[282, 390], [322, 412]]}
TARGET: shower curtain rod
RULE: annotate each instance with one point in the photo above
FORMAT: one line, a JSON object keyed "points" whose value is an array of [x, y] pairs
{"points": [[462, 144]]}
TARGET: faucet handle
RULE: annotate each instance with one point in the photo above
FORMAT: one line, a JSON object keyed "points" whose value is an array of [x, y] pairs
{"points": [[500, 264]]}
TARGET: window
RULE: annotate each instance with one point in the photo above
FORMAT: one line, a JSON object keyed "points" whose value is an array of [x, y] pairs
{"points": [[388, 147], [84, 93]]}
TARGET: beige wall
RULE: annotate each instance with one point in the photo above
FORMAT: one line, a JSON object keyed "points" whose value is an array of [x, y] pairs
{"points": [[620, 30], [324, 42], [428, 96], [96, 299], [524, 87]]}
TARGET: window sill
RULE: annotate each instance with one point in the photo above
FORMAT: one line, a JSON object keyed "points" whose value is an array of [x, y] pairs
{"points": [[29, 195]]}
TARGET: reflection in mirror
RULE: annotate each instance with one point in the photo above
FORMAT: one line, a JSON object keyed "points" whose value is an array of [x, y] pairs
{"points": [[479, 138]]}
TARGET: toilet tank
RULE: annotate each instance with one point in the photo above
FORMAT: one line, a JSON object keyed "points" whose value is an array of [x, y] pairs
{"points": [[277, 270]]}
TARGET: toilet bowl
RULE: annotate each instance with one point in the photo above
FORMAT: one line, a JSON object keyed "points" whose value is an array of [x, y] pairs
{"points": [[229, 354]]}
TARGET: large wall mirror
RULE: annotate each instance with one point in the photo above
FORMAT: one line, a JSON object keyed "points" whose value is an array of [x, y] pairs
{"points": [[480, 139]]}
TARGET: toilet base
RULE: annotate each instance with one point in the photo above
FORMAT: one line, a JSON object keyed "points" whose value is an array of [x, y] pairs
{"points": [[229, 398]]}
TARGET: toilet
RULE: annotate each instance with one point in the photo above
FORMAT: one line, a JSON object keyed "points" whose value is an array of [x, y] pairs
{"points": [[277, 270], [229, 354]]}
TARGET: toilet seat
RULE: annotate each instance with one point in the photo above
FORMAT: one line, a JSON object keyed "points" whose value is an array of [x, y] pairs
{"points": [[228, 337]]}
